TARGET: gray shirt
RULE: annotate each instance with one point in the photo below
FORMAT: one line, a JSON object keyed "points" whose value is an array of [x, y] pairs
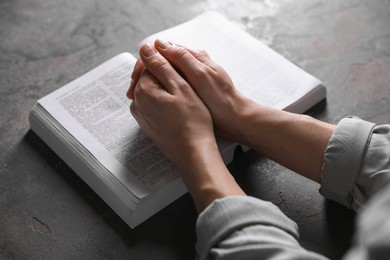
{"points": [[356, 173]]}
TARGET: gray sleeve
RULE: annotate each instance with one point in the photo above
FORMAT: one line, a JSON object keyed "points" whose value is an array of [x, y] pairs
{"points": [[356, 162], [241, 227], [357, 175]]}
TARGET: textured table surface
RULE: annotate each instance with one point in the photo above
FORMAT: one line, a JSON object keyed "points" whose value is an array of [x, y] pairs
{"points": [[47, 212]]}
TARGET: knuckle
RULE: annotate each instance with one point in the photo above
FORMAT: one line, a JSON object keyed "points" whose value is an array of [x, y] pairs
{"points": [[158, 63], [140, 90], [180, 52], [200, 74], [200, 71], [177, 83], [182, 84], [183, 87], [201, 54]]}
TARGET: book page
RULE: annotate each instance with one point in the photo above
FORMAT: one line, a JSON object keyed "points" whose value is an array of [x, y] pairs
{"points": [[256, 70], [95, 110]]}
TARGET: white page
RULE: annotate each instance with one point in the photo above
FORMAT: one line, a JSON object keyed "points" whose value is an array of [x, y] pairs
{"points": [[257, 71], [95, 110]]}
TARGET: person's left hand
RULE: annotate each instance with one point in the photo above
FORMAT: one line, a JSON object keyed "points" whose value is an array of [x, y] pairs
{"points": [[169, 111]]}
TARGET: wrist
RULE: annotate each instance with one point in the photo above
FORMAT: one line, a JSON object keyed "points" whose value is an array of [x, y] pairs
{"points": [[206, 176], [195, 150], [199, 156], [262, 127], [236, 120], [253, 120]]}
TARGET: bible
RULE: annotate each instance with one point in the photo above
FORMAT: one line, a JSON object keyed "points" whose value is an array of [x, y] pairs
{"points": [[88, 124]]}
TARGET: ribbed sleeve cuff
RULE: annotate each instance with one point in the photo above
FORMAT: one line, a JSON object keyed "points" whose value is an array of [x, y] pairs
{"points": [[343, 159], [227, 215]]}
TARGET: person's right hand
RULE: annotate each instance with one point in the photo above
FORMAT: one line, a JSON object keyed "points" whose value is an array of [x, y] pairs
{"points": [[212, 84]]}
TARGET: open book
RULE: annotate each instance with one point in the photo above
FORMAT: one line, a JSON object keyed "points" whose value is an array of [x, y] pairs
{"points": [[88, 124]]}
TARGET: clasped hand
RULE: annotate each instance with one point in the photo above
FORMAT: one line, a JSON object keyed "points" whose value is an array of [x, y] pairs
{"points": [[177, 95]]}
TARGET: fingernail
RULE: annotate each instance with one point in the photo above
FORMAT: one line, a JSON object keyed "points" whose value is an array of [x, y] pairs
{"points": [[147, 50], [163, 44]]}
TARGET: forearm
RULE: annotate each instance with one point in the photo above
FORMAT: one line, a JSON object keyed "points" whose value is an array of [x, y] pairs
{"points": [[296, 141], [206, 176]]}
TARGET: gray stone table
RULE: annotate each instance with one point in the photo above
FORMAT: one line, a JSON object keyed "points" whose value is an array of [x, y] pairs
{"points": [[48, 212]]}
